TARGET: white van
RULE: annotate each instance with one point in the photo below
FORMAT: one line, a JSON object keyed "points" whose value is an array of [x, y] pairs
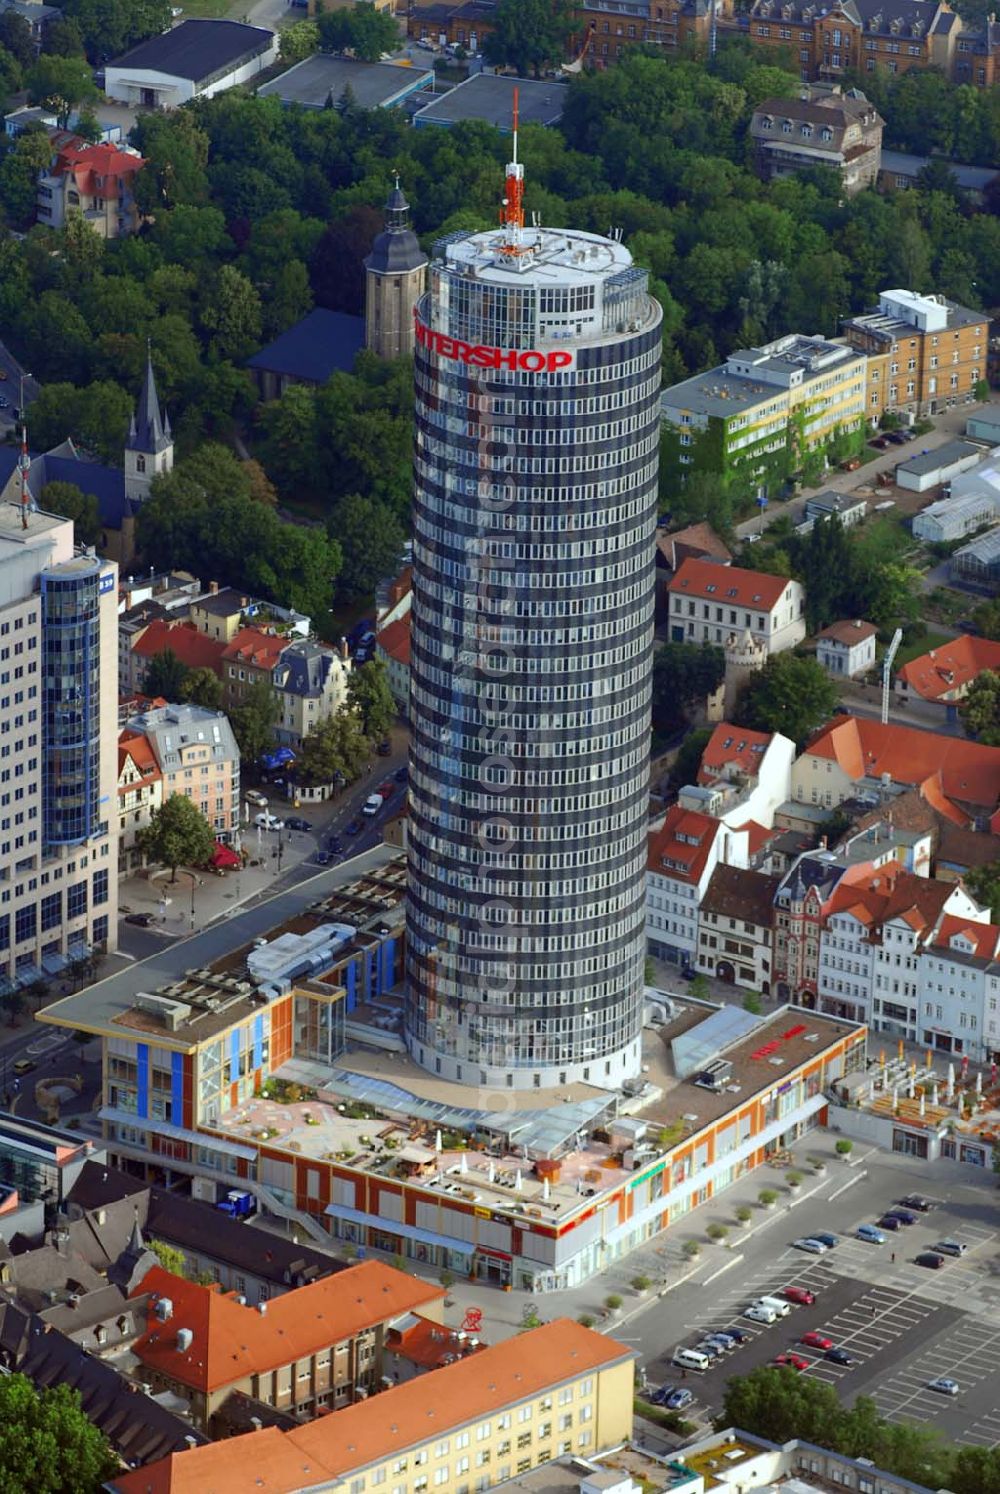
{"points": [[777, 1305], [372, 805], [758, 1313], [692, 1359]]}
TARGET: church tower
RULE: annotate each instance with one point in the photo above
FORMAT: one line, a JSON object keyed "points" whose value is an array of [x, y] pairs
{"points": [[150, 446], [395, 278]]}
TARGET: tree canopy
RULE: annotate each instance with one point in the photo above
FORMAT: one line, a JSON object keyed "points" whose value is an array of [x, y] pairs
{"points": [[178, 834], [67, 499], [361, 30], [369, 694], [980, 710], [529, 35], [791, 694], [254, 719], [683, 674], [48, 1446], [166, 676], [336, 746]]}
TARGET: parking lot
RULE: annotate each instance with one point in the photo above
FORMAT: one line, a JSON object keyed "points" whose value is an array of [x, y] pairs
{"points": [[902, 1325]]}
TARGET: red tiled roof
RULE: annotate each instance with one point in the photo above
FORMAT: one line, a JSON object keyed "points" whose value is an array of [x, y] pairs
{"points": [[192, 648], [732, 746], [251, 646], [692, 543], [728, 584], [849, 631], [684, 840], [918, 900], [97, 170], [961, 771], [324, 1451], [429, 1345], [984, 937], [230, 1341], [946, 673], [395, 640], [134, 745], [758, 836]]}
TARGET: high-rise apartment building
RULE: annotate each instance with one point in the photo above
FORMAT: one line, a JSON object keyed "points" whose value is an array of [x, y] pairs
{"points": [[58, 746], [537, 427]]}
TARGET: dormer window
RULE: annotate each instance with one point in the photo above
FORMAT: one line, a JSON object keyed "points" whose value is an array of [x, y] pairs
{"points": [[768, 122], [806, 131], [786, 126], [826, 133]]}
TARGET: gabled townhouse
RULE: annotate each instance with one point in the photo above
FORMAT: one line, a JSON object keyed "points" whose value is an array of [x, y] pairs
{"points": [[735, 928], [943, 676], [197, 756], [710, 602], [749, 773], [801, 904], [910, 920], [683, 854], [959, 989], [249, 659], [140, 792], [310, 680], [194, 649], [847, 947], [93, 182]]}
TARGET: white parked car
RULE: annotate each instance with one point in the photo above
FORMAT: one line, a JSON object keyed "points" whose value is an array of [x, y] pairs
{"points": [[811, 1246], [372, 805], [268, 822], [757, 1313], [254, 796]]}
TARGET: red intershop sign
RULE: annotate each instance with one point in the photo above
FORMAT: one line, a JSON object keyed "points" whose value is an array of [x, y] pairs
{"points": [[477, 356]]}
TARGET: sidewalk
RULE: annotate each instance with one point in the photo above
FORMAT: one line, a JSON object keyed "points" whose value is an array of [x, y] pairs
{"points": [[214, 896]]}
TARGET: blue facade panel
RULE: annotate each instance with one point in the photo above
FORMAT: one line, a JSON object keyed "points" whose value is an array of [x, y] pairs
{"points": [[234, 1055], [177, 1088], [351, 984], [258, 1042], [388, 952], [373, 983], [142, 1079]]}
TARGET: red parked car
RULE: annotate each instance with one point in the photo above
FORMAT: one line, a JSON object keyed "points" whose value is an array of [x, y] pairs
{"points": [[800, 1295], [793, 1361], [816, 1340]]}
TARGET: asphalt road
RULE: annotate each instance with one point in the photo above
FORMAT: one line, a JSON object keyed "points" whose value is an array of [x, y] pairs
{"points": [[902, 1325]]}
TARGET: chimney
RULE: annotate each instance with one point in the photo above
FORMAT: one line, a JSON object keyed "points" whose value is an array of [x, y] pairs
{"points": [[345, 650], [185, 1338], [256, 1423], [213, 587], [262, 1308]]}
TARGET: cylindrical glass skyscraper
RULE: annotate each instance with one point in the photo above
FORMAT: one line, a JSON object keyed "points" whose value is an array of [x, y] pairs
{"points": [[537, 429]]}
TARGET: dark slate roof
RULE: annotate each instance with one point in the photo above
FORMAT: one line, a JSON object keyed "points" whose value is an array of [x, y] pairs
{"points": [[321, 344], [197, 49], [397, 249], [187, 1222], [747, 895], [149, 431], [138, 1428], [107, 484], [303, 669], [8, 464], [226, 603]]}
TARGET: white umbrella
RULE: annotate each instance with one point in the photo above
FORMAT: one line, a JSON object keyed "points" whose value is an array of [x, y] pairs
{"points": [[951, 1081], [517, 1181], [979, 1081], [491, 1173], [921, 1104], [934, 1093], [545, 1190], [463, 1165], [437, 1141]]}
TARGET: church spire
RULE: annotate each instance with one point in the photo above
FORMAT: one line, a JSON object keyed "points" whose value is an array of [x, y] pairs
{"points": [[148, 432]]}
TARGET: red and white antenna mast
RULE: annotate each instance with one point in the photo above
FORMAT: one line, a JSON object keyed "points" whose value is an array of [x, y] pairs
{"points": [[512, 213]]}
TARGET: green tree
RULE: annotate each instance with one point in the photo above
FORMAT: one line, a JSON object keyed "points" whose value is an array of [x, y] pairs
{"points": [[254, 719], [335, 746], [683, 674], [16, 38], [175, 149], [688, 760], [299, 41], [165, 676], [987, 618], [372, 542], [778, 1403], [368, 692], [63, 38], [19, 174], [528, 35], [980, 710], [202, 687], [62, 84], [178, 834], [48, 1445], [232, 314], [170, 1258], [753, 1004], [110, 27], [790, 694], [96, 416], [363, 30], [67, 499], [983, 883]]}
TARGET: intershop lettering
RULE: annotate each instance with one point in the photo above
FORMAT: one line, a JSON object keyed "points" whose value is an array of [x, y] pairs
{"points": [[524, 360]]}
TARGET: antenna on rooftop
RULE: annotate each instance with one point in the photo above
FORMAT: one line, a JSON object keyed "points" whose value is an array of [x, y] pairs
{"points": [[512, 213], [24, 464]]}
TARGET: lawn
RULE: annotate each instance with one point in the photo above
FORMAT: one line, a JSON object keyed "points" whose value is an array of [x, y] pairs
{"points": [[212, 10], [918, 646]]}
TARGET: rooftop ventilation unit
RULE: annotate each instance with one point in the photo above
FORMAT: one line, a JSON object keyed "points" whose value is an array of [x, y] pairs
{"points": [[170, 1013]]}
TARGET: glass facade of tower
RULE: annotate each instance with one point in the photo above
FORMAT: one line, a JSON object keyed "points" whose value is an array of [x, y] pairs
{"points": [[71, 687], [537, 431]]}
